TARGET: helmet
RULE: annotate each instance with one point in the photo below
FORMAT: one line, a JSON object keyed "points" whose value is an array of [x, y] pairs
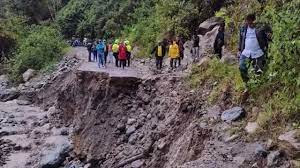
{"points": [[126, 42], [117, 41]]}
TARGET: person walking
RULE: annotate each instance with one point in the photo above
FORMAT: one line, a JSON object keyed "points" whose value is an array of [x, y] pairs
{"points": [[89, 47], [253, 44], [160, 52], [180, 44], [219, 41], [195, 49], [173, 54], [100, 51], [105, 52], [129, 48], [115, 49], [122, 55]]}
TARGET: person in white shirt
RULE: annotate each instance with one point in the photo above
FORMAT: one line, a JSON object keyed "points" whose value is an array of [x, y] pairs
{"points": [[253, 46]]}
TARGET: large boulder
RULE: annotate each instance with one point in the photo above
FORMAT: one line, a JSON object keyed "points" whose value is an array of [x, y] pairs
{"points": [[4, 81], [207, 42], [30, 73], [210, 24], [233, 114], [290, 143], [55, 153]]}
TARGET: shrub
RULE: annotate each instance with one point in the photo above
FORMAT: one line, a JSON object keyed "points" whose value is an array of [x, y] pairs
{"points": [[44, 46]]}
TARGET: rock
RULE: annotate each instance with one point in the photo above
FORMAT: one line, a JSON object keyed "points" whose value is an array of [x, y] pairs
{"points": [[204, 62], [229, 59], [130, 130], [131, 121], [209, 24], [132, 139], [251, 127], [121, 127], [30, 73], [233, 114], [55, 156], [64, 132], [290, 143], [231, 138], [87, 165], [239, 160], [272, 159], [137, 164], [260, 151], [23, 102], [8, 94], [270, 144]]}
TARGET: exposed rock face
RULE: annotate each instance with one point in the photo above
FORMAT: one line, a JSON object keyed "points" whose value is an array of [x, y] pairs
{"points": [[210, 24]]}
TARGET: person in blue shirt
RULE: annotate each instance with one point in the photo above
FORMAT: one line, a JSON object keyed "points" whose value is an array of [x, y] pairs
{"points": [[100, 51]]}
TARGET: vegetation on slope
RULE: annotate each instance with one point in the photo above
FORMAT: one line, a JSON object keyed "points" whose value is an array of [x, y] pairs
{"points": [[277, 91]]}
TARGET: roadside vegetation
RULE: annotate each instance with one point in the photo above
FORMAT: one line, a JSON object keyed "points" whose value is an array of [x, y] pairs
{"points": [[277, 92]]}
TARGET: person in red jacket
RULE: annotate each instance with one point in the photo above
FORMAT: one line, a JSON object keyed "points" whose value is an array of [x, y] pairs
{"points": [[122, 55]]}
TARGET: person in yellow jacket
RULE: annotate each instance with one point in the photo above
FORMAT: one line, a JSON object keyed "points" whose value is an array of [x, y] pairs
{"points": [[129, 49], [115, 49], [173, 54]]}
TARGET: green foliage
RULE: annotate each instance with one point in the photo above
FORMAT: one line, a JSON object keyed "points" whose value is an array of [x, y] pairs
{"points": [[283, 75], [40, 49], [222, 76]]}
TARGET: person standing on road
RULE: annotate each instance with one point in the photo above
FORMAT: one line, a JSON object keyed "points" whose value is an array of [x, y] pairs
{"points": [[110, 53], [94, 51], [174, 54], [129, 48], [180, 43], [115, 49], [160, 52], [100, 50], [122, 55], [89, 47], [195, 49]]}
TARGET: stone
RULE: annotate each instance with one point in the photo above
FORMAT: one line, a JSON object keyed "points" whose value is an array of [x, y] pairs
{"points": [[204, 62], [209, 24], [260, 151], [131, 121], [270, 144], [30, 73], [56, 155], [251, 127], [64, 132], [132, 139], [290, 143], [8, 94], [137, 164], [87, 165], [291, 137], [239, 160], [229, 59], [23, 102], [130, 130], [233, 114], [231, 138], [272, 159]]}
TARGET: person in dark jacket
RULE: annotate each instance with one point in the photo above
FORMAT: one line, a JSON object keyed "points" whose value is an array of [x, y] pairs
{"points": [[219, 42], [160, 52], [89, 46], [180, 43], [253, 45], [195, 49], [94, 50]]}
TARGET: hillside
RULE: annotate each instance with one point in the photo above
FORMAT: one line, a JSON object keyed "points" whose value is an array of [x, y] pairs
{"points": [[59, 110]]}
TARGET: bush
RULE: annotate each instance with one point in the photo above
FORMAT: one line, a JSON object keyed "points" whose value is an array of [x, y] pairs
{"points": [[43, 47]]}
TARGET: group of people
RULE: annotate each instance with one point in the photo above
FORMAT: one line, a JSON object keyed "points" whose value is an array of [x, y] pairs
{"points": [[174, 49], [253, 45], [118, 53]]}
